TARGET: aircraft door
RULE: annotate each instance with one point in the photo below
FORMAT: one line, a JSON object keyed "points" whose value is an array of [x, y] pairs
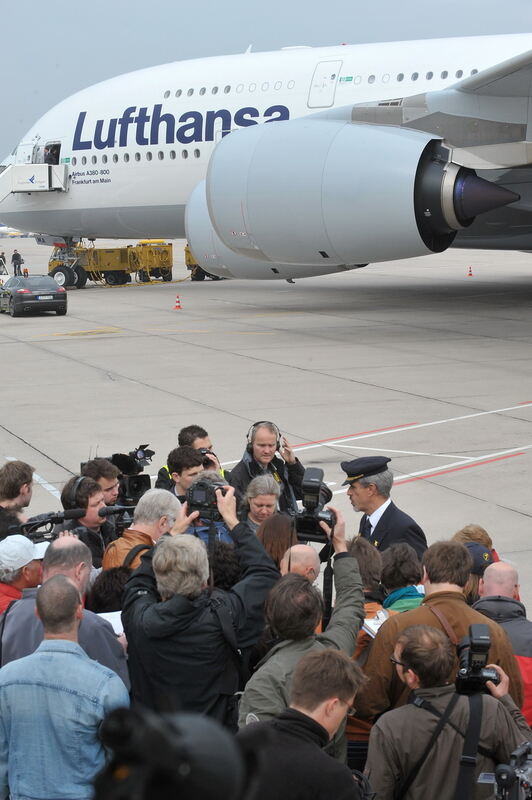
{"points": [[323, 84]]}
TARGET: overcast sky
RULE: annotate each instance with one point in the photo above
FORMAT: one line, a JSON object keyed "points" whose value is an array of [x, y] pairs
{"points": [[50, 50]]}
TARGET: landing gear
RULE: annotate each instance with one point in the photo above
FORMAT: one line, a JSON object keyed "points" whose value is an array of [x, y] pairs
{"points": [[64, 276], [81, 277]]}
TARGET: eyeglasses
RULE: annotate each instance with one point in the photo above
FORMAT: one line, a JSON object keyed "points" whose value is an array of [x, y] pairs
{"points": [[396, 661]]}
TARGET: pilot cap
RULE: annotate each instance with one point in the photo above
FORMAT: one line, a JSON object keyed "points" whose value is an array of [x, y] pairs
{"points": [[364, 467]]}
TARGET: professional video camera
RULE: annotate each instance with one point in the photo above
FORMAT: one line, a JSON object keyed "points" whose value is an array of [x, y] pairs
{"points": [[165, 755], [40, 527], [123, 516], [132, 483], [514, 780], [316, 494], [201, 496], [473, 656]]}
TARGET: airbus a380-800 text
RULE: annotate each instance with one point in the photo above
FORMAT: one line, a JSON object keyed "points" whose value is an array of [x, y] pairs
{"points": [[287, 164]]}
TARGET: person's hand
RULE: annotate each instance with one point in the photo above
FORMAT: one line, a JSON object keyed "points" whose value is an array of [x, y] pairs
{"points": [[503, 686], [287, 452], [338, 534], [68, 534], [184, 520], [215, 464], [227, 506]]}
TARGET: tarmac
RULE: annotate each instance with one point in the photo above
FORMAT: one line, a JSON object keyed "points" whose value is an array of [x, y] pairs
{"points": [[417, 360]]}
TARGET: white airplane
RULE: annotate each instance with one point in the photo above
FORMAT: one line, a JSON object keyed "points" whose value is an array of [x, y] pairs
{"points": [[378, 152]]}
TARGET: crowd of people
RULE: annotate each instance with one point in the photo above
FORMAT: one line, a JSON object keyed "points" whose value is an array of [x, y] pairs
{"points": [[216, 611]]}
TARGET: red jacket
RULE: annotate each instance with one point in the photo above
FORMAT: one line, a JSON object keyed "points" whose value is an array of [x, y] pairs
{"points": [[7, 595]]}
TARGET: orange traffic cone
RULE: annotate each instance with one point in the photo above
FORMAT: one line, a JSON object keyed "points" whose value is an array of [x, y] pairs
{"points": [[470, 273], [177, 306]]}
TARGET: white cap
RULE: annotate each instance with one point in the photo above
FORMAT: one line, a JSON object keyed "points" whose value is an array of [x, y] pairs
{"points": [[16, 551], [40, 549]]}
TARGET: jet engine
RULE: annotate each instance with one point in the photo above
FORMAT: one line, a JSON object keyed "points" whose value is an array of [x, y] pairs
{"points": [[314, 196]]}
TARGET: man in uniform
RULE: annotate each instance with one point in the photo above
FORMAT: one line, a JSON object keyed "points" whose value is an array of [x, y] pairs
{"points": [[383, 524]]}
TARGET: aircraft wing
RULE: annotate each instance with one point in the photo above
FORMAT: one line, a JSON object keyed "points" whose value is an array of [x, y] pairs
{"points": [[485, 119]]}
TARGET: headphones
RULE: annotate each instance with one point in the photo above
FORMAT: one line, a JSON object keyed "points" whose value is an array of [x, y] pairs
{"points": [[253, 430], [71, 500]]}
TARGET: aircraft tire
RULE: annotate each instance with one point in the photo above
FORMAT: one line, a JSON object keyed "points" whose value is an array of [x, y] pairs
{"points": [[64, 276], [82, 277], [198, 274]]}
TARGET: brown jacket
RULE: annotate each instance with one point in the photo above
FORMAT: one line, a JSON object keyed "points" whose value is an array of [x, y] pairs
{"points": [[399, 738], [116, 551], [384, 690]]}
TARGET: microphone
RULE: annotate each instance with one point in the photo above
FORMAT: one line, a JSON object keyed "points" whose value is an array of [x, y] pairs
{"points": [[72, 513], [108, 511]]}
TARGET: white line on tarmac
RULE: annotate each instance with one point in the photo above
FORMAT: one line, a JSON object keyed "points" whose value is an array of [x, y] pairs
{"points": [[41, 481], [407, 452]]}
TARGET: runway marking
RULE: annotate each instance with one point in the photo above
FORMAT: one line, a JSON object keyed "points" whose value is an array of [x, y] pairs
{"points": [[41, 481], [94, 332], [405, 452], [463, 466]]}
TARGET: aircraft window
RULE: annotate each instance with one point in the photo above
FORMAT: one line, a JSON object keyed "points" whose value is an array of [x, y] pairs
{"points": [[291, 84], [400, 76], [415, 76], [179, 93], [74, 161], [385, 78], [149, 156], [445, 74], [214, 90], [277, 85], [459, 73], [104, 159], [265, 86], [371, 79], [172, 154], [184, 153], [429, 76], [202, 90], [137, 156], [196, 153], [166, 94], [357, 78], [190, 92], [240, 88], [160, 155], [84, 160], [227, 89], [94, 160], [115, 158], [474, 71], [126, 157]]}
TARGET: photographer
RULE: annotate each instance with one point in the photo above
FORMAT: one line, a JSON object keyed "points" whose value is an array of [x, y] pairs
{"points": [[201, 495], [184, 464], [400, 762], [198, 439], [81, 492], [184, 640]]}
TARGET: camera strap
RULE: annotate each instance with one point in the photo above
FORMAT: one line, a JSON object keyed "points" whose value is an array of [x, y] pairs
{"points": [[465, 785], [412, 775], [444, 623], [130, 557], [328, 576]]}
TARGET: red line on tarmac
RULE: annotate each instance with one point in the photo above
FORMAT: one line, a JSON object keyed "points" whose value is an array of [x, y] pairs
{"points": [[353, 435], [525, 403], [456, 469]]}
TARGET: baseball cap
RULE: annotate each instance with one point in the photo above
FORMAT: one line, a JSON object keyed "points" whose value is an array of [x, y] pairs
{"points": [[16, 551], [482, 557]]}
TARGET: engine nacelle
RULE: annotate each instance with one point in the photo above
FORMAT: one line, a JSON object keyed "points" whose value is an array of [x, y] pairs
{"points": [[331, 195]]}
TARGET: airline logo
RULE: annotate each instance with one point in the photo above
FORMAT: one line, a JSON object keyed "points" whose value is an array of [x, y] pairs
{"points": [[137, 126]]}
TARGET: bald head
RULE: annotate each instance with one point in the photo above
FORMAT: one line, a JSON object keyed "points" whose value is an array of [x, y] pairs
{"points": [[500, 579], [301, 559], [67, 555], [59, 606]]}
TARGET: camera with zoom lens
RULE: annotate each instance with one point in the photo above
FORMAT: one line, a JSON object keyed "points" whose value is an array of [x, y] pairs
{"points": [[201, 496], [207, 462], [514, 780], [316, 494], [473, 656], [131, 465]]}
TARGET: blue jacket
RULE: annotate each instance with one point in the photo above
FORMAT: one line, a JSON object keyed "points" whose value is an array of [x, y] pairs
{"points": [[51, 706]]}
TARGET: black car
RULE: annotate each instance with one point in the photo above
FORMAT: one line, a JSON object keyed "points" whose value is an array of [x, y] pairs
{"points": [[36, 293]]}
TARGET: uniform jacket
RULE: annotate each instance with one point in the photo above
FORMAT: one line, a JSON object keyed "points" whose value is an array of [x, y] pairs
{"points": [[289, 475], [178, 656], [23, 633], [395, 526], [399, 738], [384, 689], [511, 615], [267, 692], [116, 551], [293, 765]]}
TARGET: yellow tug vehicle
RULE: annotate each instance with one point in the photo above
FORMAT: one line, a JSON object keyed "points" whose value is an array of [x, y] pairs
{"points": [[73, 265]]}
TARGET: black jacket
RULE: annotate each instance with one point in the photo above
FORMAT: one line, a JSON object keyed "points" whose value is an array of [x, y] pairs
{"points": [[289, 477], [395, 526], [96, 540], [178, 656], [292, 763]]}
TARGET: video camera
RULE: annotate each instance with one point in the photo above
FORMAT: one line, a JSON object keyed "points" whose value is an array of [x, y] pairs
{"points": [[316, 494], [201, 496], [40, 527], [514, 780], [123, 516], [473, 656], [132, 483]]}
